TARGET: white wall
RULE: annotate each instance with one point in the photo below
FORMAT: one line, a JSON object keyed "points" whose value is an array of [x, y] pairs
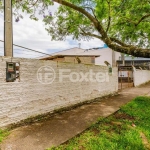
{"points": [[106, 55], [141, 76], [29, 97]]}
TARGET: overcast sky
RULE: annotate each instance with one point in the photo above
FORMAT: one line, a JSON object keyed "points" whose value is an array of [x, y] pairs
{"points": [[32, 34]]}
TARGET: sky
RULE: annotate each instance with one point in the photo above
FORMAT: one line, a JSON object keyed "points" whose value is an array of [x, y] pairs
{"points": [[32, 34]]}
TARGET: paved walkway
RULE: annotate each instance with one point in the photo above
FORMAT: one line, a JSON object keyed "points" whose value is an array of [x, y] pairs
{"points": [[66, 125]]}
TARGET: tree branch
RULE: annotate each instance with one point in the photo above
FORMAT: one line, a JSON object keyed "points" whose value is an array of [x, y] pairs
{"points": [[137, 23], [95, 22], [132, 50], [92, 11], [119, 42], [77, 8], [33, 4], [90, 34], [144, 17], [109, 17]]}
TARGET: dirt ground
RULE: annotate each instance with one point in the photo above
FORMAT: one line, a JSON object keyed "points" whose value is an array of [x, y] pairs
{"points": [[61, 127]]}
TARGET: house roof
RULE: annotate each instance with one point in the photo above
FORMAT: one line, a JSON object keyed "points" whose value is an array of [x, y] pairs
{"points": [[61, 56], [76, 52], [72, 51]]}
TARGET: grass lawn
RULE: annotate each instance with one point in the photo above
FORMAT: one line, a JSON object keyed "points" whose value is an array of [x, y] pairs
{"points": [[3, 134], [128, 129]]}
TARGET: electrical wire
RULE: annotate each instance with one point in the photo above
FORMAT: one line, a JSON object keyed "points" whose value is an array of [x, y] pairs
{"points": [[22, 53], [28, 49]]}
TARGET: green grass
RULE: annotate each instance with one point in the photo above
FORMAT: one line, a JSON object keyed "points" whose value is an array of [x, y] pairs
{"points": [[3, 134], [128, 129]]}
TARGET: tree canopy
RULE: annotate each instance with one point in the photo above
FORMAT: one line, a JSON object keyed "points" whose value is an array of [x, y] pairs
{"points": [[124, 25]]}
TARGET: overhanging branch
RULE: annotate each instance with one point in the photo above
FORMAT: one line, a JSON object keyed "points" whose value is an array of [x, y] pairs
{"points": [[144, 17]]}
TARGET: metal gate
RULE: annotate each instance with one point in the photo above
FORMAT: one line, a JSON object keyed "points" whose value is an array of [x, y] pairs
{"points": [[125, 78]]}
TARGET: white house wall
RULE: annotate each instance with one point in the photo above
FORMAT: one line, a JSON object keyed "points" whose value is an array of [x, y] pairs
{"points": [[106, 55]]}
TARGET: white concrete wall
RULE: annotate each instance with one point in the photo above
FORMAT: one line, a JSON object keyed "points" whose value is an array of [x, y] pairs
{"points": [[29, 97], [106, 55], [140, 76]]}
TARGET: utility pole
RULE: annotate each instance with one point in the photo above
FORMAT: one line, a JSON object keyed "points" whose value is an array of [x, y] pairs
{"points": [[8, 29]]}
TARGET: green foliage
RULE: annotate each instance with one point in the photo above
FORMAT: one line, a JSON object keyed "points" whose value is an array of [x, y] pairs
{"points": [[123, 20], [121, 131], [31, 7], [3, 134], [69, 22], [126, 22]]}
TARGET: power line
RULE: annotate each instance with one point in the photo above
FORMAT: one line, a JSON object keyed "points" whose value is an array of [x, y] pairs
{"points": [[29, 49], [23, 54], [27, 54]]}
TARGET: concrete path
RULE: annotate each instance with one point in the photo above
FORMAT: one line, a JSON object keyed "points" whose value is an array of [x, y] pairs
{"points": [[66, 125]]}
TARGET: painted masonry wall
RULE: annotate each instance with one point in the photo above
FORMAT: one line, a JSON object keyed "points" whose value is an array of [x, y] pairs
{"points": [[84, 60], [20, 100], [141, 76]]}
